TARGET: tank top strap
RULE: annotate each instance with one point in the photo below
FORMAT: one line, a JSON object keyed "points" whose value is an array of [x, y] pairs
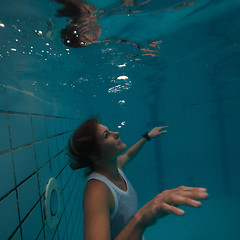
{"points": [[123, 175]]}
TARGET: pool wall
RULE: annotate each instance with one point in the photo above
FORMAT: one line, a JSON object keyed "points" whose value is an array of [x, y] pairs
{"points": [[33, 137]]}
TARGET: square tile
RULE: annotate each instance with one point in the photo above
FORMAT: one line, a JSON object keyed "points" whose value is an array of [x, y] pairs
{"points": [[44, 176], [4, 136], [58, 122], [60, 144], [41, 236], [24, 162], [42, 155], [56, 236], [62, 228], [2, 99], [33, 224], [20, 130], [63, 160], [27, 200], [9, 215], [51, 126], [64, 180], [69, 228], [6, 174], [55, 166], [16, 236], [50, 233], [66, 138], [53, 149], [67, 212], [62, 125], [39, 128]]}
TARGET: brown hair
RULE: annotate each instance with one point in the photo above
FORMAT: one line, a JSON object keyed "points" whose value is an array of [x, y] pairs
{"points": [[83, 147], [72, 38]]}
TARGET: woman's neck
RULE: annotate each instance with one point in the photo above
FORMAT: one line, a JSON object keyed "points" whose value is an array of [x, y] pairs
{"points": [[109, 170]]}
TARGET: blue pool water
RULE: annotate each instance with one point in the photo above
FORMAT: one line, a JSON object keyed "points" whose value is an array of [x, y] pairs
{"points": [[189, 81]]}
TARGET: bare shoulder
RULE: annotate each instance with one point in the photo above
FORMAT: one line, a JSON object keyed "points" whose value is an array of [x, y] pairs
{"points": [[95, 187], [97, 190]]}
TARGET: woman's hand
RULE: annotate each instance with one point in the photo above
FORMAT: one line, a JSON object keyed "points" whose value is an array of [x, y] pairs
{"points": [[156, 131], [167, 202]]}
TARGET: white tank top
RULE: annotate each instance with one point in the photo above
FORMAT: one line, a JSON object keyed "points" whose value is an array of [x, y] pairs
{"points": [[125, 203]]}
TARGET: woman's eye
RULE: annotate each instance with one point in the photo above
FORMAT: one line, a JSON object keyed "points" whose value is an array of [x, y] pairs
{"points": [[106, 135]]}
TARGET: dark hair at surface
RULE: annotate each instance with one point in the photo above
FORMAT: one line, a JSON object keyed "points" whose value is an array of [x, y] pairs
{"points": [[83, 147], [70, 38], [71, 35]]}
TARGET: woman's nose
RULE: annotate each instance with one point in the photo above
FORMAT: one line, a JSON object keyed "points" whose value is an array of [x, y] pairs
{"points": [[116, 134]]}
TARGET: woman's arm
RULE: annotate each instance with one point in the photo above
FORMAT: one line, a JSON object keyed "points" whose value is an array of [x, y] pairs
{"points": [[133, 151], [97, 205]]}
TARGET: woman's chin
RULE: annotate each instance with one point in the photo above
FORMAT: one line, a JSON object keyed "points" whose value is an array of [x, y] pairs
{"points": [[124, 146]]}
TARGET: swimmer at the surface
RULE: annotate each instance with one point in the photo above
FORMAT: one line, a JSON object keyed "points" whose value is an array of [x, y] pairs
{"points": [[82, 28]]}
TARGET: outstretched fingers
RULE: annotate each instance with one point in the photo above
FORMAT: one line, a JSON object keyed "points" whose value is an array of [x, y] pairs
{"points": [[155, 132], [172, 209], [192, 192], [172, 206], [188, 201], [159, 130], [192, 189], [169, 200]]}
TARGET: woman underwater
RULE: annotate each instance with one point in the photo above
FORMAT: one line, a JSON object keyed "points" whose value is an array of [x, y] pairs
{"points": [[110, 202]]}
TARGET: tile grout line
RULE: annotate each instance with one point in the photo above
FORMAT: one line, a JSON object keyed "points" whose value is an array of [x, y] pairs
{"points": [[65, 206], [12, 150], [4, 196], [37, 115], [49, 160], [78, 208], [13, 167], [67, 202], [32, 143], [38, 182]]}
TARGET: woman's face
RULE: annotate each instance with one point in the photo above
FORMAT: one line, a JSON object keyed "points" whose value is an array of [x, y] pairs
{"points": [[109, 142]]}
